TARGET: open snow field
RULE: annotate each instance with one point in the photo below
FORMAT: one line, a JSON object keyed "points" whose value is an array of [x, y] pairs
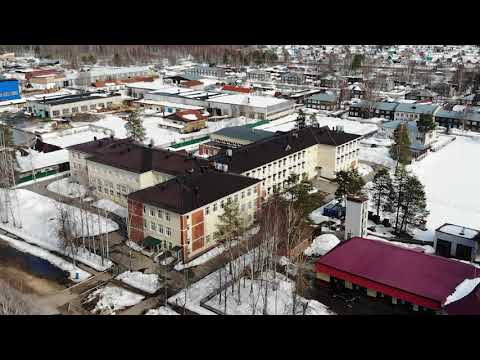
{"points": [[451, 179], [39, 225]]}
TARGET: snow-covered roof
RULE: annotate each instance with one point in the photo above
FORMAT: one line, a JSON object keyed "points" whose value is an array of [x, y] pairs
{"points": [[252, 100], [37, 160], [462, 290], [458, 231]]}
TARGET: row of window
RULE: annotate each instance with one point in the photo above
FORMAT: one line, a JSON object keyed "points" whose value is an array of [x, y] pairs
{"points": [[351, 156], [75, 110], [221, 204], [109, 172], [159, 228], [161, 214], [259, 172]]}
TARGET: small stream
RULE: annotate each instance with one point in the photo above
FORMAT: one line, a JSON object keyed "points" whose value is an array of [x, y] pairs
{"points": [[10, 257]]}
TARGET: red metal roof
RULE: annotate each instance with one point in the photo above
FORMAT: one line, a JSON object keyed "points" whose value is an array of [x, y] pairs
{"points": [[429, 276], [236, 88]]}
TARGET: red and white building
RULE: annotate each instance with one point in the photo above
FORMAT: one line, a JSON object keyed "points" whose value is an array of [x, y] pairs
{"points": [[399, 275]]}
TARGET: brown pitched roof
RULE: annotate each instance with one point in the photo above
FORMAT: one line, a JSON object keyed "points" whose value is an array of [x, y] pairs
{"points": [[139, 159], [187, 193]]}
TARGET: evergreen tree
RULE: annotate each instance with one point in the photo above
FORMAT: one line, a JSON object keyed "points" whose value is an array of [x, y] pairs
{"points": [[349, 183], [426, 123], [414, 207], [357, 61], [300, 194], [382, 189], [400, 150], [400, 179], [134, 127]]}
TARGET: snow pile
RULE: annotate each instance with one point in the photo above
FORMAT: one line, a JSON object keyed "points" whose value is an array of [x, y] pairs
{"points": [[48, 256], [67, 188], [279, 298], [427, 249], [113, 298], [364, 169], [39, 219], [462, 290], [146, 282], [162, 310], [321, 245], [450, 180], [112, 207]]}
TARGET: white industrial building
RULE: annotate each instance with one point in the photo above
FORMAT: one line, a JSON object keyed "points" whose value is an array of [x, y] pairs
{"points": [[457, 241]]}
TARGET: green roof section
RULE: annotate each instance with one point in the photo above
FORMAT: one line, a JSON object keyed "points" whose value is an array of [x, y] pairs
{"points": [[258, 123], [190, 142], [244, 133], [150, 241]]}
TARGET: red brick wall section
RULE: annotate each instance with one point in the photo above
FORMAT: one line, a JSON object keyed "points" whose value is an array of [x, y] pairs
{"points": [[197, 231], [197, 244], [197, 217], [135, 216]]}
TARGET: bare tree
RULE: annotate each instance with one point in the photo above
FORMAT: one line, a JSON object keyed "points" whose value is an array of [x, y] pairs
{"points": [[13, 302]]}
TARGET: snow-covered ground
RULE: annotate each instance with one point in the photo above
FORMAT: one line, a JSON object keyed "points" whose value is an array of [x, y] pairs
{"points": [[202, 258], [146, 282], [110, 206], [163, 136], [38, 216], [48, 256], [364, 169], [162, 310], [377, 155], [451, 181], [113, 298], [374, 140], [321, 245], [462, 290], [67, 188], [279, 298], [204, 287]]}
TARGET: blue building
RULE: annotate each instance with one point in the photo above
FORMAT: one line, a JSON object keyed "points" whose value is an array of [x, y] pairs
{"points": [[9, 89]]}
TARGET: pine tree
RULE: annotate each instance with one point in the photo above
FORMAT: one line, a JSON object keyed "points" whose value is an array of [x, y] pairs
{"points": [[400, 179], [349, 183], [414, 207], [400, 150], [426, 123], [230, 223], [134, 127], [299, 194], [382, 189]]}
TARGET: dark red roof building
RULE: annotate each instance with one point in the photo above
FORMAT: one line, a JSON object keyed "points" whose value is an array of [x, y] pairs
{"points": [[402, 274], [236, 89]]}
